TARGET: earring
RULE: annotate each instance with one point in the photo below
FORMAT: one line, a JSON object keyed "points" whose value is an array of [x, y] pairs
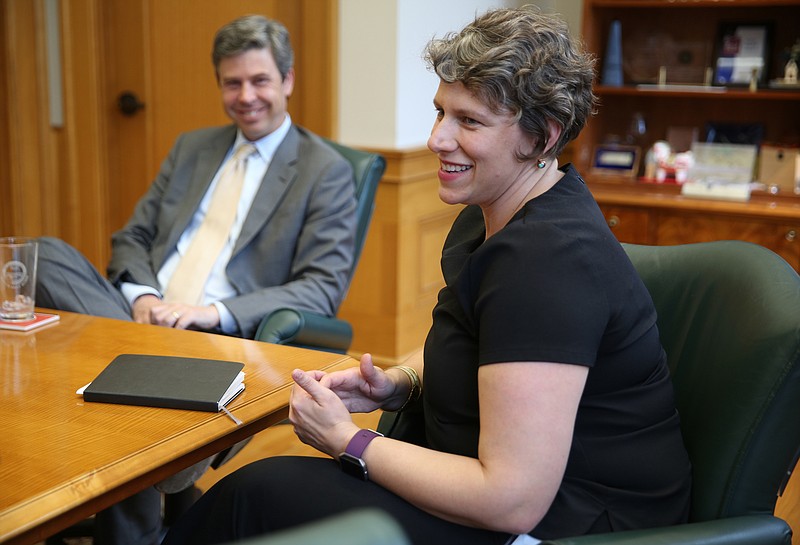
{"points": [[541, 163]]}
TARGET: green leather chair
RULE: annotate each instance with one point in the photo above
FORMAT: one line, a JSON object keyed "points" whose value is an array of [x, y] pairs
{"points": [[311, 330], [357, 527], [729, 318]]}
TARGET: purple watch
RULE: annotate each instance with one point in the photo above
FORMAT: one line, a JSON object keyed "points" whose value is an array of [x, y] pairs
{"points": [[350, 460]]}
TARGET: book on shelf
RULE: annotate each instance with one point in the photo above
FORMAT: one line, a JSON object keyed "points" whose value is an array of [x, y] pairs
{"points": [[167, 381], [39, 319]]}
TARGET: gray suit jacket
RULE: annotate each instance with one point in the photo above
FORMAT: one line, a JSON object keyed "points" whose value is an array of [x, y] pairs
{"points": [[296, 244]]}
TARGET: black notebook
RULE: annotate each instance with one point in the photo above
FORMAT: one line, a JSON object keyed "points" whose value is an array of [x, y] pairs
{"points": [[167, 381]]}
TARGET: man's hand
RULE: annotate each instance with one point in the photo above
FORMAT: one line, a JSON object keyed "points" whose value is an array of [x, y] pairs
{"points": [[142, 306], [149, 309]]}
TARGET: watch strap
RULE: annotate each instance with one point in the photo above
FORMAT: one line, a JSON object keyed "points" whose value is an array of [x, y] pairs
{"points": [[359, 442]]}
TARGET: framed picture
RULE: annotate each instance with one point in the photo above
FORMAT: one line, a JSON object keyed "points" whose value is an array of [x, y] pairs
{"points": [[616, 159], [742, 53]]}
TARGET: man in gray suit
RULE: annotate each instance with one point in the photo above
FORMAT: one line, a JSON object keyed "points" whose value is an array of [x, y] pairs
{"points": [[292, 247], [290, 244]]}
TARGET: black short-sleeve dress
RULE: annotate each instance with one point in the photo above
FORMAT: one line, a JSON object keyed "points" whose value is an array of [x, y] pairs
{"points": [[554, 285]]}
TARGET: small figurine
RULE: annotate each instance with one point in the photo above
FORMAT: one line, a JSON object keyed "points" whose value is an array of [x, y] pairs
{"points": [[790, 72], [662, 165], [656, 155], [682, 163]]}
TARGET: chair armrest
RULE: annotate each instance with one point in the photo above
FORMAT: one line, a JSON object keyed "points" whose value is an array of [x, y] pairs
{"points": [[305, 329], [745, 530]]}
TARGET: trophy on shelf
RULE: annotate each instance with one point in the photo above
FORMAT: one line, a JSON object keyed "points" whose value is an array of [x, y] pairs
{"points": [[612, 64], [790, 69]]}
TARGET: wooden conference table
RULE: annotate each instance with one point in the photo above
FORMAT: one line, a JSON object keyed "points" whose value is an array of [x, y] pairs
{"points": [[62, 460]]}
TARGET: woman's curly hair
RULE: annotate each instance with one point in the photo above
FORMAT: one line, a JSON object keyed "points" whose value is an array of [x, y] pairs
{"points": [[521, 62]]}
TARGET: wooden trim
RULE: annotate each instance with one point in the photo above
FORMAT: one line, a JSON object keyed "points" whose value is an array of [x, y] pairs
{"points": [[409, 165], [762, 206], [317, 50], [6, 218], [49, 152], [23, 118], [83, 175]]}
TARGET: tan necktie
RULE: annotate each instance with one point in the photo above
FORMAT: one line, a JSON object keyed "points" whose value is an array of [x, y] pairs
{"points": [[189, 279]]}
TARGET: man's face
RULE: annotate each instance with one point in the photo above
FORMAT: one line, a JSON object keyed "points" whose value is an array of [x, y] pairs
{"points": [[254, 95]]}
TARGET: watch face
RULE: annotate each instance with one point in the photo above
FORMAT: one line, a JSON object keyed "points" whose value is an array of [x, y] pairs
{"points": [[353, 466]]}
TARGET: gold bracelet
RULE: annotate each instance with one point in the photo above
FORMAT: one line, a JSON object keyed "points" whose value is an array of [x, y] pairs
{"points": [[416, 386]]}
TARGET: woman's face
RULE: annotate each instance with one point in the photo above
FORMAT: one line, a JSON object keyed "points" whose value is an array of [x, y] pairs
{"points": [[476, 149]]}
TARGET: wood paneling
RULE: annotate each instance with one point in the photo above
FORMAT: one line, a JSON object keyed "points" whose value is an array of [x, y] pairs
{"points": [[628, 224], [678, 228], [54, 179], [315, 39], [5, 172], [659, 215], [131, 164], [24, 69], [80, 177]]}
